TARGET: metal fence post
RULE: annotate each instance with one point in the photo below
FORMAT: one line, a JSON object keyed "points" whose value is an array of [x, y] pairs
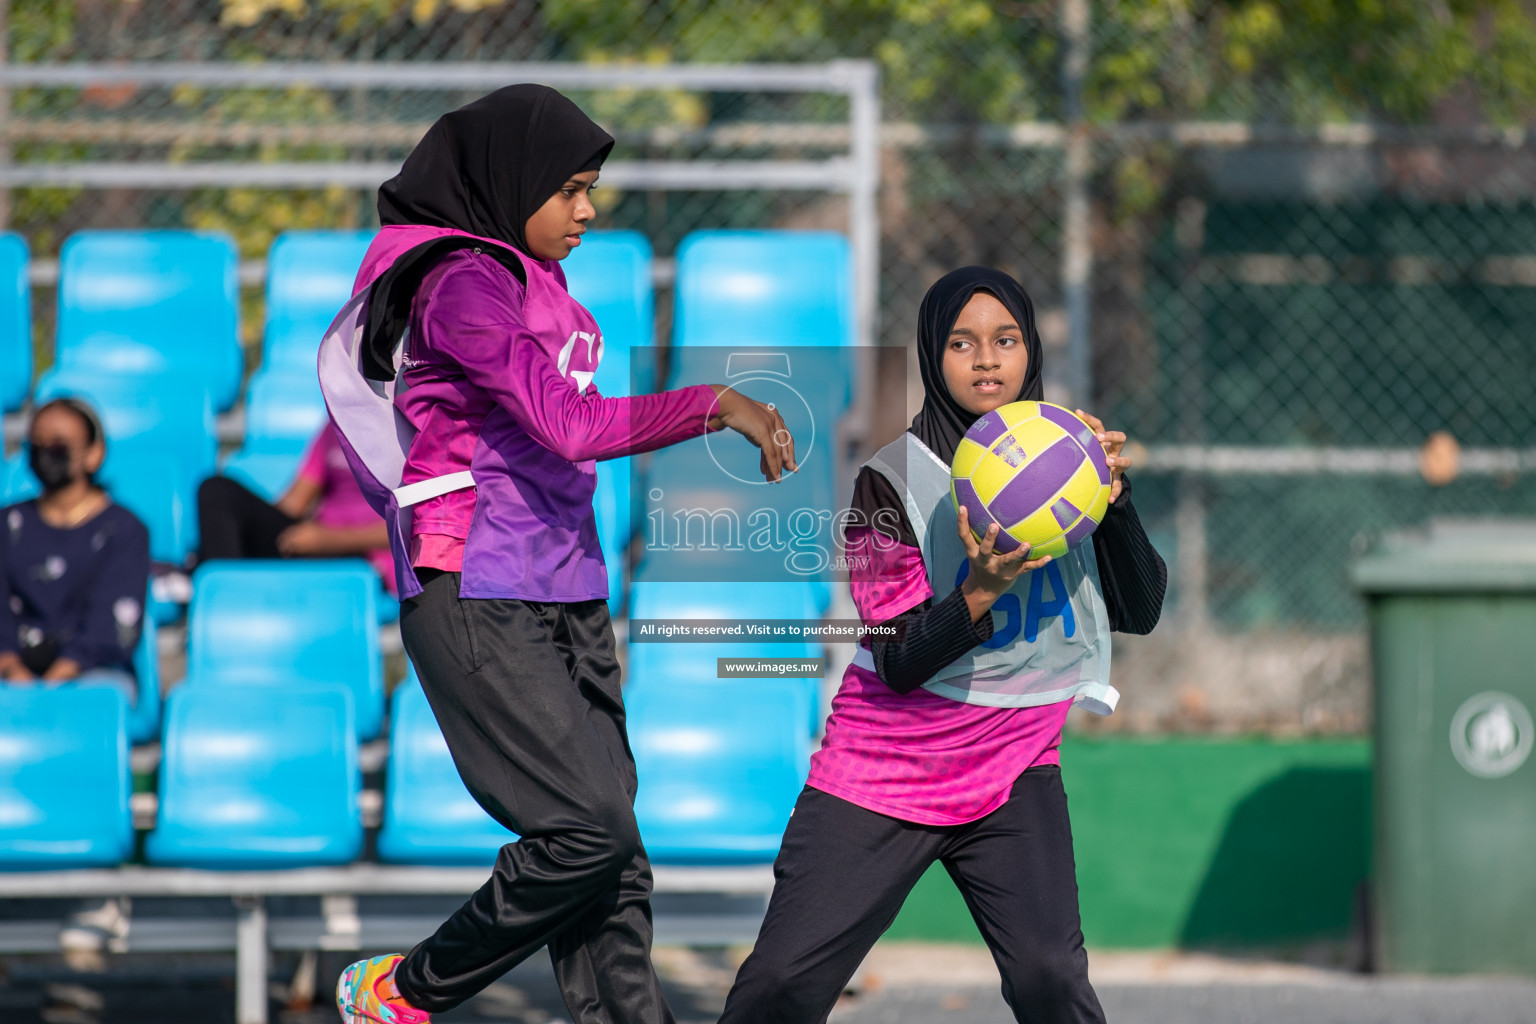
{"points": [[1191, 569], [864, 236], [250, 960], [863, 213], [1076, 228]]}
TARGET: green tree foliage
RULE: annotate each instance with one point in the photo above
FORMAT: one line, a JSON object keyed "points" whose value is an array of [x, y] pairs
{"points": [[943, 59], [1311, 61], [1305, 60], [353, 13], [996, 61], [988, 61]]}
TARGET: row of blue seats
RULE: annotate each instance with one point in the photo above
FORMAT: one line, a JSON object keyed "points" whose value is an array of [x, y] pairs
{"points": [[311, 622], [316, 622], [147, 303], [128, 302], [267, 777]]}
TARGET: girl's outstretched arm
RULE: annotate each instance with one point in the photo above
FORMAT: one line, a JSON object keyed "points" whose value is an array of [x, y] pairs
{"points": [[474, 317]]}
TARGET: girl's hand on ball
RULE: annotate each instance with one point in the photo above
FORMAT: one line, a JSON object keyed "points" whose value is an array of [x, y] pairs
{"points": [[992, 571], [761, 424], [1113, 442]]}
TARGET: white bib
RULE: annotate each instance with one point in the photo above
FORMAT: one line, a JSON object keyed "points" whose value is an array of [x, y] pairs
{"points": [[1050, 630]]}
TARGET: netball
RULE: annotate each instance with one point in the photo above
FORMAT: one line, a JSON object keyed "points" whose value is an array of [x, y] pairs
{"points": [[1037, 471]]}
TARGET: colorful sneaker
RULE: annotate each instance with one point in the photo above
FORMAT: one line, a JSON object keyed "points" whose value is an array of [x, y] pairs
{"points": [[358, 999]]}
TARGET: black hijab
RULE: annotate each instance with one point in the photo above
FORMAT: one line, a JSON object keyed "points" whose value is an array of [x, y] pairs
{"points": [[488, 166], [483, 169], [942, 421]]}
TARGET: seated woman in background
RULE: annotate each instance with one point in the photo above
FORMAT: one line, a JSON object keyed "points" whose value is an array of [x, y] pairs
{"points": [[322, 515], [74, 567]]}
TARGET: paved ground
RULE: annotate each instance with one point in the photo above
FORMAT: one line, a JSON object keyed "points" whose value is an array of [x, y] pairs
{"points": [[901, 984]]}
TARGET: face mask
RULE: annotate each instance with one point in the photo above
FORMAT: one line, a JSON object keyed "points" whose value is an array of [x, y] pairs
{"points": [[51, 464]]}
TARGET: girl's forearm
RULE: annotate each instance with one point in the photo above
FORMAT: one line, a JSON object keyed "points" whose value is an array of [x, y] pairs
{"points": [[351, 540], [978, 600], [585, 426], [628, 425], [934, 636], [62, 670], [12, 667]]}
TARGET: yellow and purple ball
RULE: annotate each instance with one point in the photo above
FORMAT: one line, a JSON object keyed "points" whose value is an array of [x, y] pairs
{"points": [[1037, 471]]}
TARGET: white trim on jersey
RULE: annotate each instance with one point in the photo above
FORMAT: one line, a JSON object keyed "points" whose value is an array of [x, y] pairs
{"points": [[433, 487]]}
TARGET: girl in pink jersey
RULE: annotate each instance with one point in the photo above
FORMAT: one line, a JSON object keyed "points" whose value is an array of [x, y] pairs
{"points": [[922, 760], [502, 584]]}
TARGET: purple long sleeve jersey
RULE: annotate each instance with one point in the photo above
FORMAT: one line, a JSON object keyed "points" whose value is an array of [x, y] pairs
{"points": [[498, 380]]}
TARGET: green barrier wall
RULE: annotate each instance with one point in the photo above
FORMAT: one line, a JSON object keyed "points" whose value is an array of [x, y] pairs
{"points": [[1199, 842]]}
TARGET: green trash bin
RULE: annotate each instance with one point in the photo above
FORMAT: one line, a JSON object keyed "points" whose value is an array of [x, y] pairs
{"points": [[1453, 642]]}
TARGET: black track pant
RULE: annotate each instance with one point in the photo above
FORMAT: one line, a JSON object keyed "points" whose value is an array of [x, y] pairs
{"points": [[527, 695], [236, 523], [843, 872]]}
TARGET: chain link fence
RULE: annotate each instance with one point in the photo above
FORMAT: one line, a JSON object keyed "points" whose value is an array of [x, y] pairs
{"points": [[1310, 230]]}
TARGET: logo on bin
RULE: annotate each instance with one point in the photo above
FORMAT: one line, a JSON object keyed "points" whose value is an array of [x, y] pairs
{"points": [[1491, 735]]}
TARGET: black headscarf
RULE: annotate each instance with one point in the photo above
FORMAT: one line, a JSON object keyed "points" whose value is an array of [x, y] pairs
{"points": [[942, 421], [484, 169], [488, 166]]}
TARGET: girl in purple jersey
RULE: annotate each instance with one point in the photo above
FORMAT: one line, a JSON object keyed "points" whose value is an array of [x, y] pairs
{"points": [[504, 593], [942, 745]]}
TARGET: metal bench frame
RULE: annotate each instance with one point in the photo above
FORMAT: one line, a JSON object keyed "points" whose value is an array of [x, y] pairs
{"points": [[339, 925]]}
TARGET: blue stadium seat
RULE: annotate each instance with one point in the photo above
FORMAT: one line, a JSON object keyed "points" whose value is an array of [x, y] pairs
{"points": [[662, 599], [309, 279], [283, 412], [389, 606], [15, 323], [143, 303], [771, 290], [720, 768], [611, 506], [429, 817], [268, 474], [610, 274], [167, 414], [64, 778], [724, 468], [157, 489], [766, 288], [258, 777], [663, 663], [689, 479], [284, 622], [144, 717], [16, 480]]}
